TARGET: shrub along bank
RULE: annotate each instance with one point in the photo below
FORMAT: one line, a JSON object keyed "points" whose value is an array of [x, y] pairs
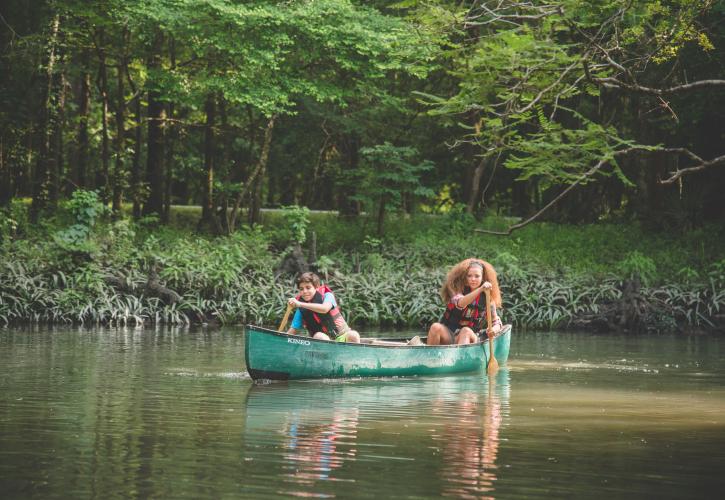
{"points": [[81, 267]]}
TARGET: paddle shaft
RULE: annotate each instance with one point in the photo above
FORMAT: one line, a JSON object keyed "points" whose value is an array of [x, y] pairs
{"points": [[284, 318], [492, 363]]}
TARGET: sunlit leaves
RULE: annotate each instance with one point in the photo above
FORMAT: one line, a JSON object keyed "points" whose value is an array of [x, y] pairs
{"points": [[561, 155], [269, 54]]}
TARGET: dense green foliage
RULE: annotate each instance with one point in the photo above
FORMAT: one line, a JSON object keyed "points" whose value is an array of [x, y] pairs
{"points": [[548, 274], [343, 104], [423, 124]]}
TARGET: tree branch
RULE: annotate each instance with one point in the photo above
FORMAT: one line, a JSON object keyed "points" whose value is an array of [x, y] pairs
{"points": [[614, 83], [699, 167], [674, 176], [531, 219]]}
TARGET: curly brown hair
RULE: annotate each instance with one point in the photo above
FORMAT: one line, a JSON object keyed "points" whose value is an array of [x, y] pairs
{"points": [[456, 280]]}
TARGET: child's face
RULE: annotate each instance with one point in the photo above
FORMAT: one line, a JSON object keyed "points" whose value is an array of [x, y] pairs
{"points": [[474, 277], [307, 290]]}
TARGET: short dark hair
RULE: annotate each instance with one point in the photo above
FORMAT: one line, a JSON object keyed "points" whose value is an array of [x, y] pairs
{"points": [[308, 278]]}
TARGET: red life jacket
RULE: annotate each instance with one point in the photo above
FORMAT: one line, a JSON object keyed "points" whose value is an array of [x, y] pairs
{"points": [[472, 316], [331, 323]]}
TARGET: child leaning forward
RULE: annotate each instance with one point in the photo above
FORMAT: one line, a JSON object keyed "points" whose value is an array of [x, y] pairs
{"points": [[317, 311]]}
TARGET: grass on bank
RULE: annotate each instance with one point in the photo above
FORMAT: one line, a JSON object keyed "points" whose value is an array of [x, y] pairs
{"points": [[68, 268], [591, 249]]}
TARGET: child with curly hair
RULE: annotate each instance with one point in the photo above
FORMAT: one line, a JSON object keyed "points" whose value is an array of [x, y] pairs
{"points": [[465, 315]]}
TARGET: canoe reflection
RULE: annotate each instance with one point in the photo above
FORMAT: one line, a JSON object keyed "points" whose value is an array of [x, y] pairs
{"points": [[314, 434]]}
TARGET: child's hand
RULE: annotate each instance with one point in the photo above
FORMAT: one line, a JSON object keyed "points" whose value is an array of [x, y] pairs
{"points": [[493, 330], [294, 302], [486, 284]]}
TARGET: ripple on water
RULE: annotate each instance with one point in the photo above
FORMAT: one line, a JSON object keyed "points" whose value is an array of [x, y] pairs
{"points": [[190, 372]]}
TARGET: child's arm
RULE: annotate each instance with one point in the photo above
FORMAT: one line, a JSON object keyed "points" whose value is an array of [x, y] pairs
{"points": [[470, 297], [296, 325], [318, 308]]}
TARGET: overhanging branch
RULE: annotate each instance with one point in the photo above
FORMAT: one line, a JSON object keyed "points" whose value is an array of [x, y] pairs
{"points": [[614, 83], [553, 202], [699, 166]]}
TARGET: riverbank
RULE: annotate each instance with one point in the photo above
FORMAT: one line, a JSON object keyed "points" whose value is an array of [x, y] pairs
{"points": [[599, 277]]}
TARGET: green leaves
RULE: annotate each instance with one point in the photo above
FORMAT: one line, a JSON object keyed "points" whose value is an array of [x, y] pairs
{"points": [[298, 219], [561, 155], [269, 54], [85, 207], [391, 171]]}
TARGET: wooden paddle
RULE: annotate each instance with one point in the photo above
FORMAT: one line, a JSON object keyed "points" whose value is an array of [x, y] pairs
{"points": [[492, 363], [284, 318]]}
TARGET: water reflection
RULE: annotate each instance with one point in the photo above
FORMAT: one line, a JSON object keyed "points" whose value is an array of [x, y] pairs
{"points": [[470, 443], [315, 424], [311, 449], [318, 433], [169, 413]]}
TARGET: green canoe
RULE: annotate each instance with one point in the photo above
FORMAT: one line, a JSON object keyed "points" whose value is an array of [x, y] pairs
{"points": [[277, 356]]}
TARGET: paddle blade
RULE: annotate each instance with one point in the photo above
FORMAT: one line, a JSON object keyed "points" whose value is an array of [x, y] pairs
{"points": [[492, 366]]}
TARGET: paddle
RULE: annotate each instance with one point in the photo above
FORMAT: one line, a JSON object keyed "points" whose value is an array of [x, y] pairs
{"points": [[492, 363], [284, 318]]}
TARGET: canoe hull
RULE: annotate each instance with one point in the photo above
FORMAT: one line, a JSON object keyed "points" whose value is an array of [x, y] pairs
{"points": [[278, 356]]}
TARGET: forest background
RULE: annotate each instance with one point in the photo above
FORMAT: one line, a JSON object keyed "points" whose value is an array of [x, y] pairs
{"points": [[176, 161]]}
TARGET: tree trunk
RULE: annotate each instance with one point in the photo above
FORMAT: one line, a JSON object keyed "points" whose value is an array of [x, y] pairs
{"points": [[84, 106], [138, 145], [56, 174], [6, 188], [259, 170], [102, 175], [155, 148], [223, 168], [170, 143], [169, 178], [256, 205], [207, 205], [351, 159], [381, 215], [44, 128], [521, 198], [118, 173], [255, 202], [475, 186]]}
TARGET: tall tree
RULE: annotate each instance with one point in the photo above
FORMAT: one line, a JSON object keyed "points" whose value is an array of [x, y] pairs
{"points": [[84, 108], [102, 174], [155, 143], [46, 122]]}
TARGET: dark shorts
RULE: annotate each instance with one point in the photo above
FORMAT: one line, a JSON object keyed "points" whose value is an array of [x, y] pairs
{"points": [[452, 334]]}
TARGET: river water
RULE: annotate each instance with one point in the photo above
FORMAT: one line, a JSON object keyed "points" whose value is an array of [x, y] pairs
{"points": [[165, 413]]}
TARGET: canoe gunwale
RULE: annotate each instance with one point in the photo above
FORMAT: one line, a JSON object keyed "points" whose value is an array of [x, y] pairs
{"points": [[383, 346]]}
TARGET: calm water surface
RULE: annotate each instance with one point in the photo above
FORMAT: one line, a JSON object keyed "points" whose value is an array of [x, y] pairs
{"points": [[116, 413]]}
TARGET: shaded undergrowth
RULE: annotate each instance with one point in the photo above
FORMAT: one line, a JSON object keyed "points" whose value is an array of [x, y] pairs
{"points": [[124, 273]]}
